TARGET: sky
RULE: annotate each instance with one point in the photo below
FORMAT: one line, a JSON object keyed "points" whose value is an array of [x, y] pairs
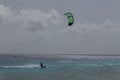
{"points": [[39, 26]]}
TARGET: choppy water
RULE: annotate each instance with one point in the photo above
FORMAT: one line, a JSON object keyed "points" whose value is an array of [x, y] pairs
{"points": [[59, 67]]}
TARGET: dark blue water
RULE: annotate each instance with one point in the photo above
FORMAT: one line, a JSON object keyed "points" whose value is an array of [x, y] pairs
{"points": [[59, 67]]}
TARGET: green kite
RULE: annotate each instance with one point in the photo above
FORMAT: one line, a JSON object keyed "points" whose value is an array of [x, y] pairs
{"points": [[70, 18]]}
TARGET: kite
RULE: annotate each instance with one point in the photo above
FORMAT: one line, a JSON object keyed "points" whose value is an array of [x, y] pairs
{"points": [[70, 18]]}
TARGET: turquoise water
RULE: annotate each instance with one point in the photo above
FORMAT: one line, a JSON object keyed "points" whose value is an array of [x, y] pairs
{"points": [[28, 68]]}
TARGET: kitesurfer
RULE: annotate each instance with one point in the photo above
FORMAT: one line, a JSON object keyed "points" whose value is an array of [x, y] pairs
{"points": [[42, 66]]}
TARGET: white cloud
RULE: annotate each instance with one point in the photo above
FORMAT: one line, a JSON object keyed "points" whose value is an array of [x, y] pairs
{"points": [[30, 30], [92, 30], [27, 20]]}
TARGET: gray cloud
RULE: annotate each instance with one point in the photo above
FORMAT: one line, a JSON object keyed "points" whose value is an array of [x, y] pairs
{"points": [[35, 26], [27, 20], [91, 29], [37, 31]]}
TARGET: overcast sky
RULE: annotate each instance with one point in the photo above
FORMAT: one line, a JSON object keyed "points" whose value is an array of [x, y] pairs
{"points": [[39, 26]]}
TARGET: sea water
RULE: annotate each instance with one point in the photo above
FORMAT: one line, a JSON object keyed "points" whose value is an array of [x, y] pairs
{"points": [[59, 67]]}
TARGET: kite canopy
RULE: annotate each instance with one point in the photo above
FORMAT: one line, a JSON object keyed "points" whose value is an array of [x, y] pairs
{"points": [[70, 18]]}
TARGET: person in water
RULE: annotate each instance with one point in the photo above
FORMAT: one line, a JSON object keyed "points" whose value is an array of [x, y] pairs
{"points": [[42, 66]]}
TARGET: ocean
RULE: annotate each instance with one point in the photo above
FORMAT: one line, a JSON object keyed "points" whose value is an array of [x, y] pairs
{"points": [[59, 67]]}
